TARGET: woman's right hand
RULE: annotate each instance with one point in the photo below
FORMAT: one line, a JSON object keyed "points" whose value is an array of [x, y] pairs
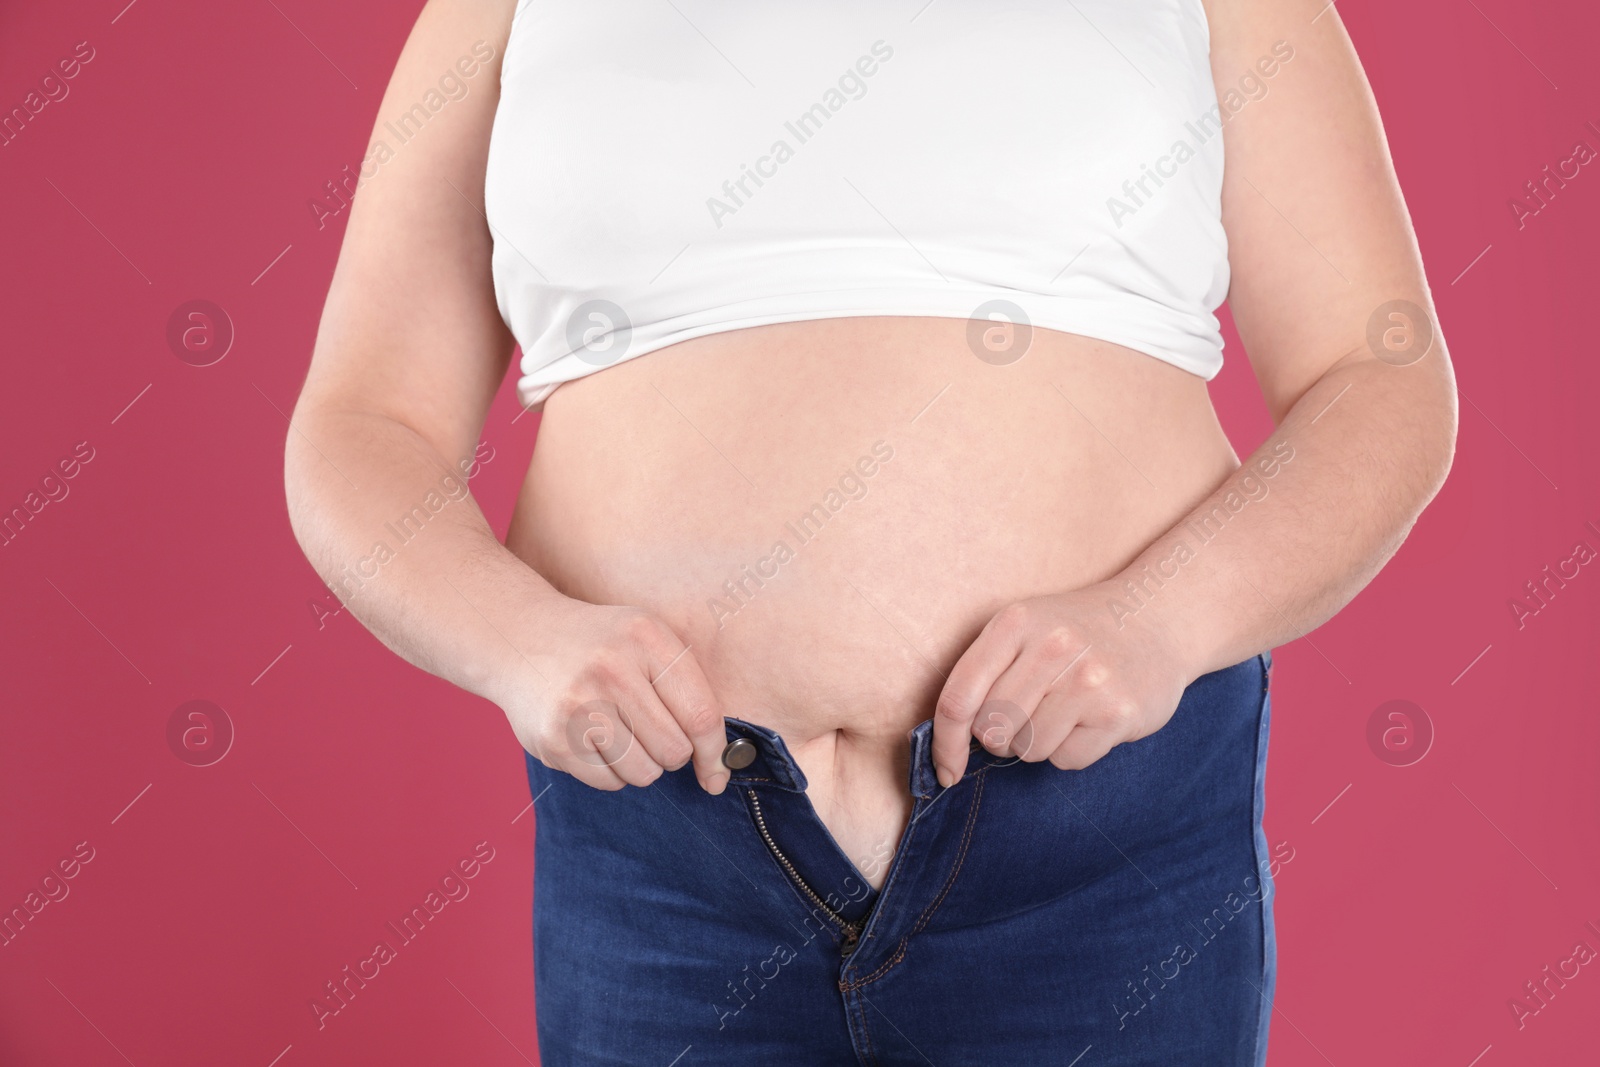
{"points": [[613, 698], [407, 362]]}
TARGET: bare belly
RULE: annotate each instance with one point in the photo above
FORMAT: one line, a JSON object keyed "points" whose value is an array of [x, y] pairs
{"points": [[829, 512]]}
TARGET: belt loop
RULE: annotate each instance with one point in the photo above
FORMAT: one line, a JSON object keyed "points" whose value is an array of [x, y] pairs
{"points": [[924, 777]]}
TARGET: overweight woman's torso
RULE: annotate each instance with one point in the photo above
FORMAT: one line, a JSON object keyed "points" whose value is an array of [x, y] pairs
{"points": [[829, 511]]}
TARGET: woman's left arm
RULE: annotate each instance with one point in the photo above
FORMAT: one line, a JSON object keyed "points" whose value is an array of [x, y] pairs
{"points": [[1329, 297]]}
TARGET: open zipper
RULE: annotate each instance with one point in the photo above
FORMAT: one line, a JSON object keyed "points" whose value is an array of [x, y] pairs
{"points": [[850, 931]]}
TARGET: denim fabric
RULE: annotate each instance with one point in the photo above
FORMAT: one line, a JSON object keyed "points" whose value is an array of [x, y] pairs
{"points": [[1117, 915]]}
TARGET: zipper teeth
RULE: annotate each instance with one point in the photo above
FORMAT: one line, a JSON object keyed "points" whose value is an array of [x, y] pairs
{"points": [[852, 930]]}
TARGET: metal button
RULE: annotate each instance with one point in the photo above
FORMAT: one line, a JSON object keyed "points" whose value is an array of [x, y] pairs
{"points": [[739, 754]]}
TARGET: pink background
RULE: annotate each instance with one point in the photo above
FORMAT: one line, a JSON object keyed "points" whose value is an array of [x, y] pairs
{"points": [[220, 899]]}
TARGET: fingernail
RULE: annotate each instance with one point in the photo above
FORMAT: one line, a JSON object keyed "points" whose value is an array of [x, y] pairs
{"points": [[946, 779], [717, 783]]}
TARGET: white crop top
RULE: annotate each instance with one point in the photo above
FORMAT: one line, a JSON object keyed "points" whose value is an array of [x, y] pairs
{"points": [[662, 171]]}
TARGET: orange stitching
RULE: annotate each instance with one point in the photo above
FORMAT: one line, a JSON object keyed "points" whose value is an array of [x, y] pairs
{"points": [[966, 840], [900, 954], [961, 859], [866, 1031]]}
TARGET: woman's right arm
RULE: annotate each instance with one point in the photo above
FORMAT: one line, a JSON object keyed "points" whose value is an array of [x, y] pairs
{"points": [[409, 354]]}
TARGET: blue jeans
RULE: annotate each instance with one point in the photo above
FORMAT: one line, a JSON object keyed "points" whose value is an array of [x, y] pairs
{"points": [[1121, 913]]}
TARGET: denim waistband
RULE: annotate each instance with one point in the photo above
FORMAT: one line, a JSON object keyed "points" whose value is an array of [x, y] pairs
{"points": [[775, 767]]}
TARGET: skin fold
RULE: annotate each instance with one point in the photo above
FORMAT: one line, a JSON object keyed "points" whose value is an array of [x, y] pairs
{"points": [[1030, 566]]}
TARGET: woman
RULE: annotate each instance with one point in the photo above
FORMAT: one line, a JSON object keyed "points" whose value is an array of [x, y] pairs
{"points": [[880, 529]]}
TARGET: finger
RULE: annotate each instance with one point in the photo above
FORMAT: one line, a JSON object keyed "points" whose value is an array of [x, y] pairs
{"points": [[586, 768], [628, 759], [1083, 746], [1009, 722], [1006, 723], [595, 737], [687, 696], [657, 730], [1046, 727], [599, 776], [965, 691], [999, 722], [1067, 680]]}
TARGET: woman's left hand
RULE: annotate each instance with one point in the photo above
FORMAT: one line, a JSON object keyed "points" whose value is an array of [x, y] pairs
{"points": [[1058, 677]]}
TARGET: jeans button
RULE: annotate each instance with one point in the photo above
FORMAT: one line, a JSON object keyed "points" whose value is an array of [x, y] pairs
{"points": [[739, 754]]}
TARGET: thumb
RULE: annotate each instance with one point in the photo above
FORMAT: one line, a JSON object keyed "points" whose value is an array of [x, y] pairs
{"points": [[959, 703]]}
